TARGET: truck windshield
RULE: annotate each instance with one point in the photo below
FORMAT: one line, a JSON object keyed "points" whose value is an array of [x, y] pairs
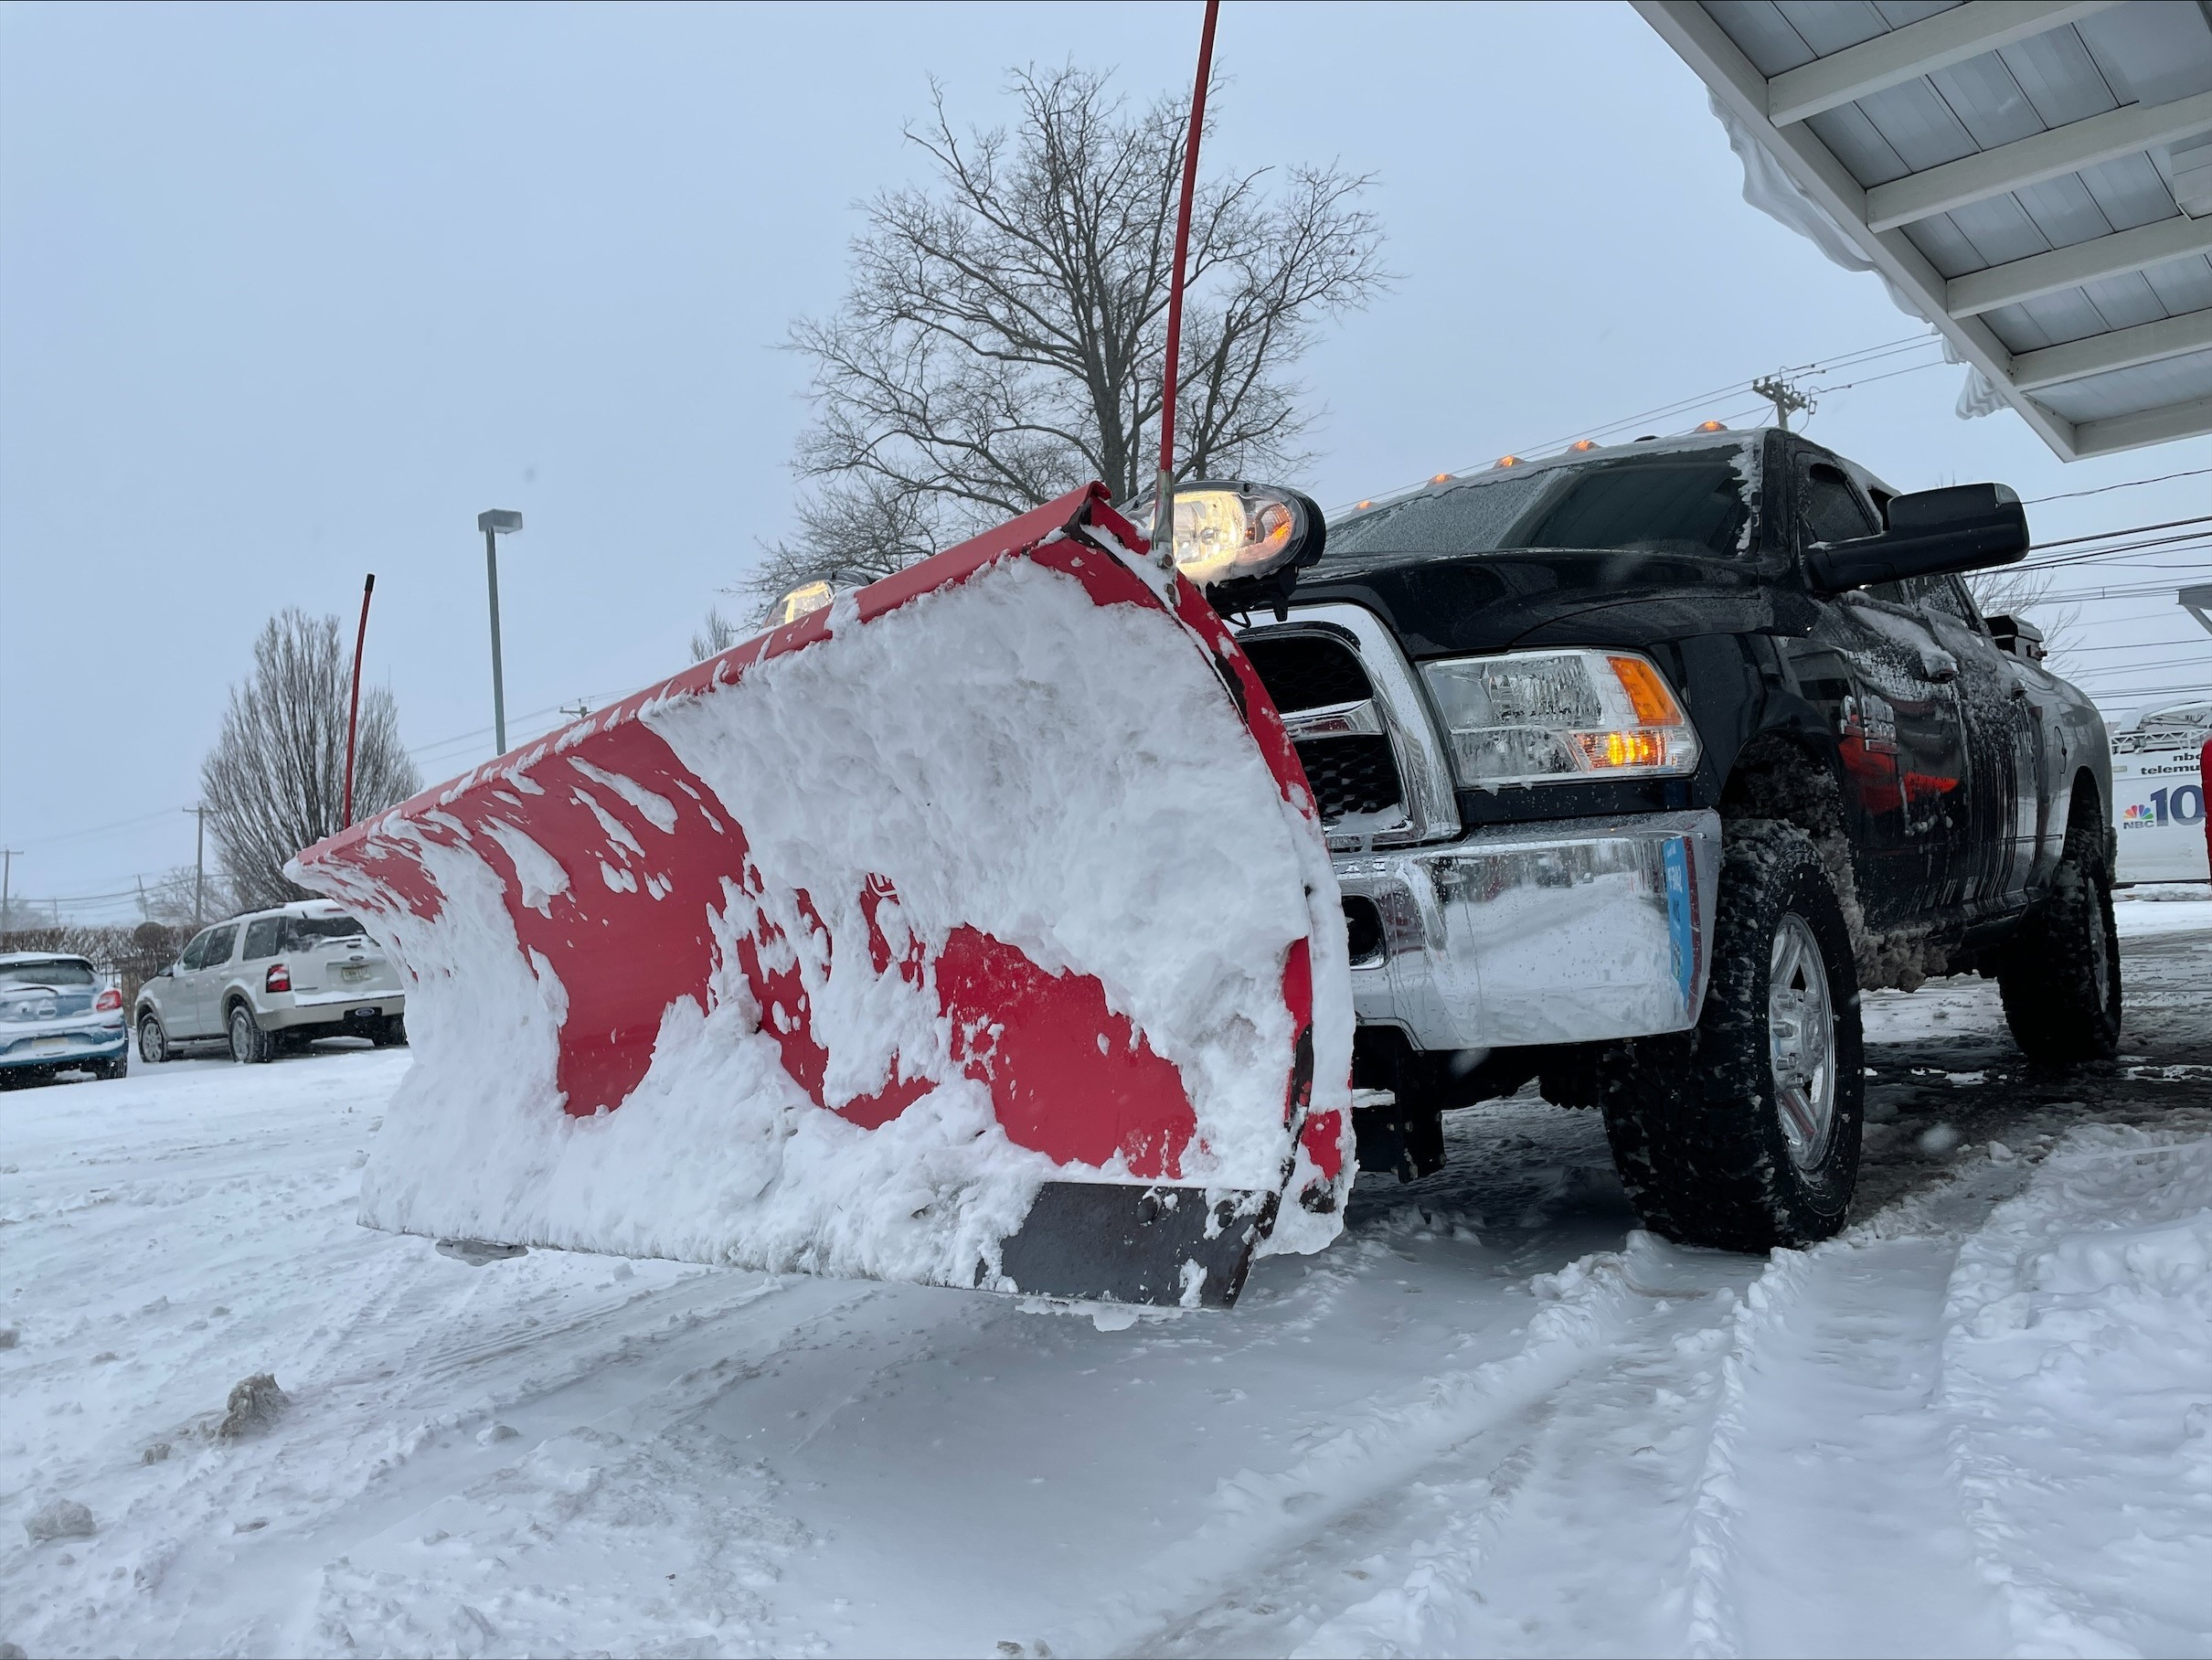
{"points": [[1692, 503]]}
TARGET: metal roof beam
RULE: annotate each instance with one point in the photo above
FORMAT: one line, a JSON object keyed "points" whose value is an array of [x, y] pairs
{"points": [[2030, 161], [2124, 348], [1919, 48], [2150, 427], [2069, 267], [1720, 62]]}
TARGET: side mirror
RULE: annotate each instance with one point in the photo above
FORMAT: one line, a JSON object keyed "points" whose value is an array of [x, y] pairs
{"points": [[163, 974], [1931, 533], [2018, 636]]}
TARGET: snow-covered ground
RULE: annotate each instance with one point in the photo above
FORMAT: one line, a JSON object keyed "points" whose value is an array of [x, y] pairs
{"points": [[1494, 1418]]}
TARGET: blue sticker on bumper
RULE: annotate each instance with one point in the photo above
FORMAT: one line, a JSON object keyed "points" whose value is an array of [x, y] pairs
{"points": [[1678, 914]]}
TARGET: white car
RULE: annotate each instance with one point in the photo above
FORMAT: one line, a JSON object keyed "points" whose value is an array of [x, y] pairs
{"points": [[272, 981], [54, 1017]]}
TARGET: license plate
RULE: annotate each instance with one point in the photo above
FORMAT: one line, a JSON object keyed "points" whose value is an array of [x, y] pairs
{"points": [[49, 1046], [351, 974]]}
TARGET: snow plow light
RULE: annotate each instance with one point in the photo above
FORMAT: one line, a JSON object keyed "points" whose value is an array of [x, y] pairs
{"points": [[807, 597], [1528, 718], [1225, 532]]}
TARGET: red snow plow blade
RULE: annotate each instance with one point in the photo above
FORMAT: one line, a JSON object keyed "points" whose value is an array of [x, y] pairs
{"points": [[977, 930]]}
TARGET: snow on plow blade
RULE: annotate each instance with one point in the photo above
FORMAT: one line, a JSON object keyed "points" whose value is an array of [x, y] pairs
{"points": [[975, 931]]}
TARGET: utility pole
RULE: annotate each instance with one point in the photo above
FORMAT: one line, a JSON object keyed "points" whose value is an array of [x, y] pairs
{"points": [[199, 866], [577, 710], [7, 878], [1784, 396]]}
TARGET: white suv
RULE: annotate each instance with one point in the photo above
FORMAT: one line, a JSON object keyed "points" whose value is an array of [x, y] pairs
{"points": [[272, 981]]}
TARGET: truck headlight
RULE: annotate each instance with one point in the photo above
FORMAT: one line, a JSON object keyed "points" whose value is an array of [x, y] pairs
{"points": [[1526, 717]]}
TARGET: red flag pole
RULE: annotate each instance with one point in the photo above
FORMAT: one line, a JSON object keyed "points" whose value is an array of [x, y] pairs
{"points": [[1164, 497], [353, 711]]}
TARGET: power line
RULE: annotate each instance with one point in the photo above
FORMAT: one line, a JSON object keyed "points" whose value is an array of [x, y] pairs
{"points": [[1733, 391], [2068, 495], [78, 835]]}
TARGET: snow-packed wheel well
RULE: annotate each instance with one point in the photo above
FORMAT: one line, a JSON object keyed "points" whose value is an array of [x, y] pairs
{"points": [[1778, 775]]}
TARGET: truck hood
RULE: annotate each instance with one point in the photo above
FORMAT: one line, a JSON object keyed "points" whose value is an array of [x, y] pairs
{"points": [[1443, 604]]}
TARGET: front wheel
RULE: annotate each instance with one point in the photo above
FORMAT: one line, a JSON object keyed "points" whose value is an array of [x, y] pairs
{"points": [[388, 1032], [250, 1045], [1743, 1133], [153, 1041], [2059, 976]]}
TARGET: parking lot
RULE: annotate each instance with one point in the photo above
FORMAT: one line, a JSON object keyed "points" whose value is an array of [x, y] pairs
{"points": [[1491, 1415]]}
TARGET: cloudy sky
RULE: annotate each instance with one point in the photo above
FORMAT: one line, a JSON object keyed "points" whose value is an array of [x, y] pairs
{"points": [[289, 294]]}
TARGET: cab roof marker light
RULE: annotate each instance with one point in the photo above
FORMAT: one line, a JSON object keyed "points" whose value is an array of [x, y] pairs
{"points": [[1442, 478], [1711, 425], [1506, 460], [1582, 445]]}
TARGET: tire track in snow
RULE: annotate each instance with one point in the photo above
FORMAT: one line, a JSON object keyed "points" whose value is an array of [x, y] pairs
{"points": [[1419, 1494], [1829, 1517]]}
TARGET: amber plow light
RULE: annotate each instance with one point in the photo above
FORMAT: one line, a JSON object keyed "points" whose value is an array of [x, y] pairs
{"points": [[807, 597], [1226, 531]]}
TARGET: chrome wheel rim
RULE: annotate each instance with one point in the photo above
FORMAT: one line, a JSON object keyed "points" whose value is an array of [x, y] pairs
{"points": [[240, 1040], [1801, 1042], [152, 1043]]}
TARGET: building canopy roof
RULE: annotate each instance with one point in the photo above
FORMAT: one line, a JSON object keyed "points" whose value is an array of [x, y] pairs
{"points": [[2033, 176]]}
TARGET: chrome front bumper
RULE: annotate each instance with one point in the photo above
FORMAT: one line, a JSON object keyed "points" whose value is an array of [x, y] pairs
{"points": [[1567, 932]]}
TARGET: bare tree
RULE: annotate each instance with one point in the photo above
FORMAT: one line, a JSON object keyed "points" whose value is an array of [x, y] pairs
{"points": [[274, 782], [183, 894], [2004, 593], [1003, 335], [716, 636]]}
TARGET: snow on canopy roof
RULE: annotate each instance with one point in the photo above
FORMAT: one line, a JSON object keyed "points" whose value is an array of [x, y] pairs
{"points": [[2032, 177]]}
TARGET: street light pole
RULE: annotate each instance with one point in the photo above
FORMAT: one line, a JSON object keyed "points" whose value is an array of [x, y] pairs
{"points": [[495, 523]]}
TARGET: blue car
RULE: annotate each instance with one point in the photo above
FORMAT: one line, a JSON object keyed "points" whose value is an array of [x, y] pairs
{"points": [[54, 1017]]}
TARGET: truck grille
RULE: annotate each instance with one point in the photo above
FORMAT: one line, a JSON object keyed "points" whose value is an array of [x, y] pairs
{"points": [[1350, 776], [1308, 672], [1313, 671]]}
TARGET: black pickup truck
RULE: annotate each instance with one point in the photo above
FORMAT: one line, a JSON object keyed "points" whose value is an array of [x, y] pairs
{"points": [[1640, 763]]}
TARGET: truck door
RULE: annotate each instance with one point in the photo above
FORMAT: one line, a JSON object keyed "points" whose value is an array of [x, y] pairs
{"points": [[2002, 701], [1898, 728]]}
